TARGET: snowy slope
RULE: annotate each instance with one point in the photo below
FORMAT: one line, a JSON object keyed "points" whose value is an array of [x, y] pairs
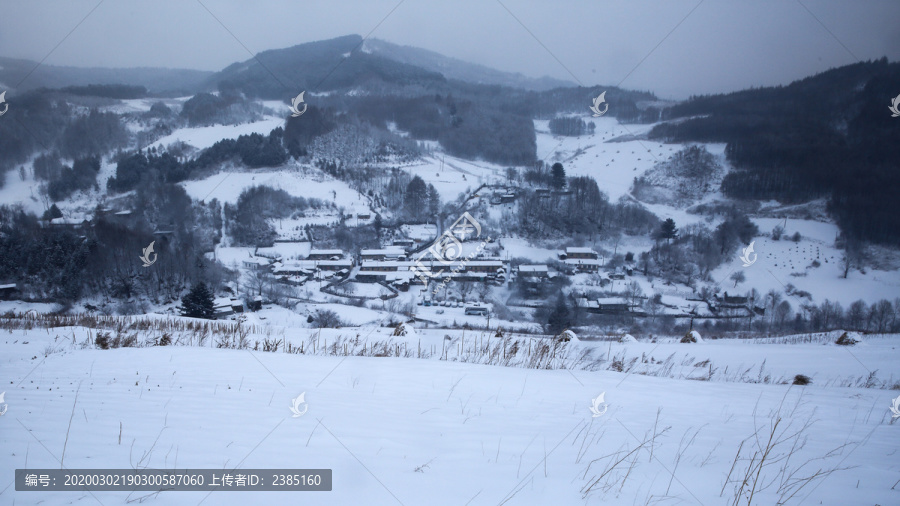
{"points": [[292, 178], [784, 262], [407, 431], [613, 164]]}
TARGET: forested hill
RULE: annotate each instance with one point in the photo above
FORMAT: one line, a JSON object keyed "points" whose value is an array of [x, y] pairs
{"points": [[319, 66], [830, 135]]}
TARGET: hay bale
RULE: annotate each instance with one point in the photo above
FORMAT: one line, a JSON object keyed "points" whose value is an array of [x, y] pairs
{"points": [[692, 337], [404, 330], [848, 339], [566, 336]]}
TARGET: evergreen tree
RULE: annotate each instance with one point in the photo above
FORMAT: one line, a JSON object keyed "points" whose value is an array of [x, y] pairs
{"points": [[558, 176], [559, 317], [434, 201], [378, 223], [54, 212], [415, 199], [198, 303], [668, 230]]}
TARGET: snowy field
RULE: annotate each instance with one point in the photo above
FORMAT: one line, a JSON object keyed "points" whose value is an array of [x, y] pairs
{"points": [[294, 179], [613, 164], [204, 137], [429, 431], [452, 176], [783, 262]]}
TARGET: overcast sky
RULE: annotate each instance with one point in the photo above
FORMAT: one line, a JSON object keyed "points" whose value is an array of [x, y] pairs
{"points": [[722, 45]]}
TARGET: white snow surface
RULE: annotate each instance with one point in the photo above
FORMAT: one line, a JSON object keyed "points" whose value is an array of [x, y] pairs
{"points": [[429, 431]]}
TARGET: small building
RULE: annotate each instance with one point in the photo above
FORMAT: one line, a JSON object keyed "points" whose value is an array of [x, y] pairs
{"points": [[487, 266], [404, 243], [591, 306], [391, 253], [534, 270], [735, 300], [308, 267], [386, 266], [325, 254], [363, 216], [334, 265], [70, 223], [222, 308], [583, 265], [8, 291], [581, 253], [256, 263], [255, 304], [612, 305], [507, 198]]}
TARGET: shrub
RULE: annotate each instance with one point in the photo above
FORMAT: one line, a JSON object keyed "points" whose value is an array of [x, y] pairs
{"points": [[802, 379], [102, 340], [326, 318]]}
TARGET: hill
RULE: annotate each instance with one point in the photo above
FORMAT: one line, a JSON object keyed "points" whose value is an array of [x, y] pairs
{"points": [[460, 70], [828, 135], [156, 80], [318, 66]]}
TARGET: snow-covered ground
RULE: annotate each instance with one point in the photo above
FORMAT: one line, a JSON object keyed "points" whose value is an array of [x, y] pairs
{"points": [[416, 431], [452, 176], [204, 137], [783, 262], [613, 164], [296, 180]]}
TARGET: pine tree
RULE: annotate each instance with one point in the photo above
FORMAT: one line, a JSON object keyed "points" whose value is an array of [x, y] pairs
{"points": [[198, 303], [668, 230], [559, 318], [558, 176], [415, 199], [434, 200], [54, 212], [378, 223]]}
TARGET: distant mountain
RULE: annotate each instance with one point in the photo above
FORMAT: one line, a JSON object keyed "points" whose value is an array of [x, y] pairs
{"points": [[452, 68], [156, 80], [318, 67]]}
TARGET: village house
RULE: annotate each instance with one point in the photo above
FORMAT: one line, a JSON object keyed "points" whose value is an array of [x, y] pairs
{"points": [[325, 254], [256, 263], [306, 267], [391, 253], [534, 271], [8, 291], [579, 253], [404, 243], [613, 305]]}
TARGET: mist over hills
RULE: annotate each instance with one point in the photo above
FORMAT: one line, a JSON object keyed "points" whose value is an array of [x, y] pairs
{"points": [[156, 80], [822, 136]]}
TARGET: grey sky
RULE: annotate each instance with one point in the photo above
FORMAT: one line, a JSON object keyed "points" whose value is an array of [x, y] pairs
{"points": [[724, 45]]}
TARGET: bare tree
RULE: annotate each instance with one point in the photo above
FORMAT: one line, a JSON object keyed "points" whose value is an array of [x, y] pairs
{"points": [[633, 292], [852, 254]]}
